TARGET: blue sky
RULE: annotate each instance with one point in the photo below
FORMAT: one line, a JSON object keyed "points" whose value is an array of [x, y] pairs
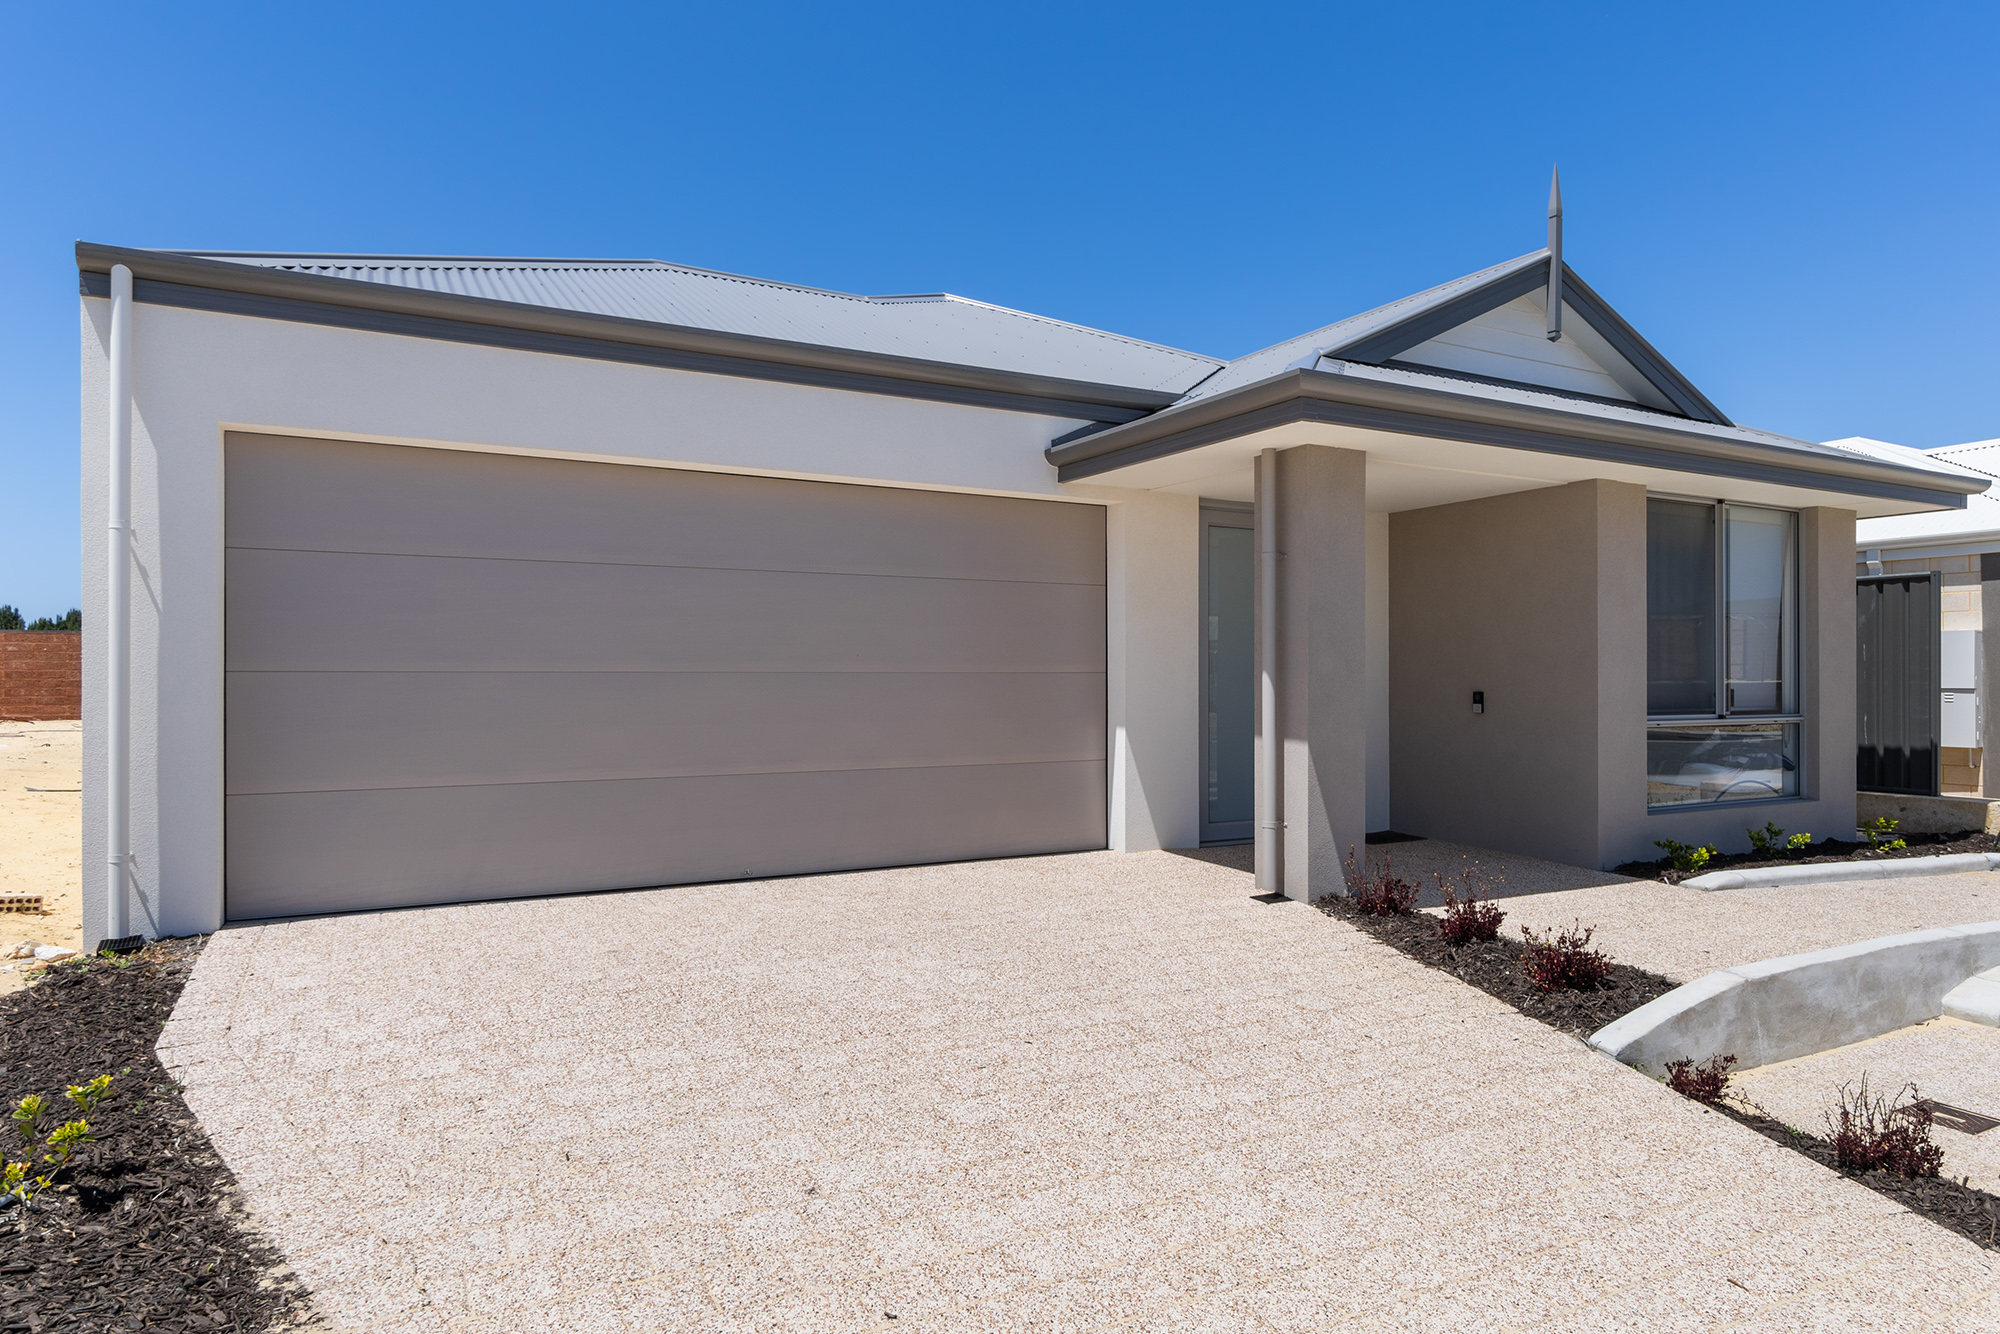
{"points": [[1796, 203]]}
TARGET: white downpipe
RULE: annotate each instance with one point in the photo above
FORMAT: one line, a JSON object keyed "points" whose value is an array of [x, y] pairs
{"points": [[118, 616], [1270, 794]]}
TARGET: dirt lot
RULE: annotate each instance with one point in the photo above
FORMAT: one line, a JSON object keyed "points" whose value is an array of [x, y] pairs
{"points": [[41, 833]]}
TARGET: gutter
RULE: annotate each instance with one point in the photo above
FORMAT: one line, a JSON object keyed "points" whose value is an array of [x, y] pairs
{"points": [[1303, 395], [170, 279]]}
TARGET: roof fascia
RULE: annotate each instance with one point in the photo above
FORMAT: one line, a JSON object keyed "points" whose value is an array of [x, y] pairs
{"points": [[1424, 324], [1333, 399], [239, 289], [1627, 342]]}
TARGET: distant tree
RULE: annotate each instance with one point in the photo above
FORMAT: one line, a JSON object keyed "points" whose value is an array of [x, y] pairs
{"points": [[71, 620], [10, 619]]}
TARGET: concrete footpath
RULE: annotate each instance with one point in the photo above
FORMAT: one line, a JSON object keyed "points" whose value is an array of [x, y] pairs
{"points": [[1065, 1093]]}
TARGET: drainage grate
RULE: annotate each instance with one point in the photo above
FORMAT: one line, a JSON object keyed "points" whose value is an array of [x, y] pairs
{"points": [[1957, 1118], [122, 945]]}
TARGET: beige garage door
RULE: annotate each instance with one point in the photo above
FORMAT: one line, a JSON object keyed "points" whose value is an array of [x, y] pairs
{"points": [[458, 676]]}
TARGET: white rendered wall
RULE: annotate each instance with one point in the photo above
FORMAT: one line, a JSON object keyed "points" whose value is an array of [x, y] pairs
{"points": [[1376, 632], [196, 374], [1153, 668]]}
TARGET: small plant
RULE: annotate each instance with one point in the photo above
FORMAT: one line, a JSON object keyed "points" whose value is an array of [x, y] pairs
{"points": [[1564, 959], [1881, 833], [87, 1096], [1687, 858], [1702, 1082], [1767, 840], [27, 1116], [1381, 894], [1877, 1134], [1470, 915], [18, 1180], [1798, 842], [67, 1140], [15, 1183]]}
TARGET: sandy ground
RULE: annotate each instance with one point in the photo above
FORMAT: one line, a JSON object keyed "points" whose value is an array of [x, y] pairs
{"points": [[1948, 1060], [41, 834]]}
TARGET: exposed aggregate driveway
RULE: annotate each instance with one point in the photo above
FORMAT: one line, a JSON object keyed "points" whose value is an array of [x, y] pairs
{"points": [[1059, 1093]]}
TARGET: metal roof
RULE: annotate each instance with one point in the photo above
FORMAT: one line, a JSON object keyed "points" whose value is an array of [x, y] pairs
{"points": [[1305, 350], [935, 326], [1978, 523]]}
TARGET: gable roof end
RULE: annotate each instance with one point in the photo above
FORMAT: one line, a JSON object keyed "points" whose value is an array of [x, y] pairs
{"points": [[1378, 336]]}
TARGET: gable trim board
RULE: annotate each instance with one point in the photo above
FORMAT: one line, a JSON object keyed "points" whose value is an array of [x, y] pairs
{"points": [[238, 289], [1335, 399], [1422, 325]]}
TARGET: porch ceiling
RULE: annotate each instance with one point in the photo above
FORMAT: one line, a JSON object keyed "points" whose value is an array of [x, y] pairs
{"points": [[1431, 440], [1408, 472]]}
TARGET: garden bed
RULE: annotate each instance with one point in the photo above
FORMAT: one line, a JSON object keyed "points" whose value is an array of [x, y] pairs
{"points": [[1496, 967], [146, 1230], [1826, 850]]}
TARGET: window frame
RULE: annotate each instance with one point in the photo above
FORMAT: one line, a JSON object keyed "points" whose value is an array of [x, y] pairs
{"points": [[1790, 639]]}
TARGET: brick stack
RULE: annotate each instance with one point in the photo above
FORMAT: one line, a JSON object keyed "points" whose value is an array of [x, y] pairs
{"points": [[41, 675]]}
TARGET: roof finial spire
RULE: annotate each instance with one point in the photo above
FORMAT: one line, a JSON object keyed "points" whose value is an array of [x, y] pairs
{"points": [[1555, 295]]}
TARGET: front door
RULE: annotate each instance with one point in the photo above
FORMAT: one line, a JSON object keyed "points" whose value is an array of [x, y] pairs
{"points": [[1228, 675]]}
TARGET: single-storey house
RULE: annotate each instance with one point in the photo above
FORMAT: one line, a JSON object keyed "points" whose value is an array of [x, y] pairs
{"points": [[464, 578]]}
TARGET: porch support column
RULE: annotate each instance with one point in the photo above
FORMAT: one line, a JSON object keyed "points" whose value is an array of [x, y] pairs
{"points": [[1322, 664]]}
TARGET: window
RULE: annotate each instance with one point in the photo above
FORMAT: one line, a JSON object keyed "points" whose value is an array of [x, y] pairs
{"points": [[1721, 653]]}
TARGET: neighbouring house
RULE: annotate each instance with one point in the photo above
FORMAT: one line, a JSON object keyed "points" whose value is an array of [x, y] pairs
{"points": [[1959, 551], [461, 578]]}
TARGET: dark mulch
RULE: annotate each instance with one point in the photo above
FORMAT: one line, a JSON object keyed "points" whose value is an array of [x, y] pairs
{"points": [[1966, 1210], [146, 1230], [1495, 967], [1826, 850]]}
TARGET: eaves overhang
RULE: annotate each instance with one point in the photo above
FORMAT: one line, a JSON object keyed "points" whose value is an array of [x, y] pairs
{"points": [[1315, 396], [168, 279]]}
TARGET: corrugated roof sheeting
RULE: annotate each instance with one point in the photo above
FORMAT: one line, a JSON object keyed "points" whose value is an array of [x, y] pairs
{"points": [[937, 328], [1978, 522], [1279, 357]]}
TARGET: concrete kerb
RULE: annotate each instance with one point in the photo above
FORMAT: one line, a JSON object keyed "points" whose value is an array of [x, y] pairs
{"points": [[1833, 872], [1804, 1003]]}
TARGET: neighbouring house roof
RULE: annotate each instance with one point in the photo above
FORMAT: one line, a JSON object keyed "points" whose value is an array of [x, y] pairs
{"points": [[1978, 524]]}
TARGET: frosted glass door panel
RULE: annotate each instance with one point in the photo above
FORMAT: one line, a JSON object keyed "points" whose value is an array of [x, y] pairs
{"points": [[1229, 736]]}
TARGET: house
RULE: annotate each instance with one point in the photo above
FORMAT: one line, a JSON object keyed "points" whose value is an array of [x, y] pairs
{"points": [[457, 578], [1961, 549]]}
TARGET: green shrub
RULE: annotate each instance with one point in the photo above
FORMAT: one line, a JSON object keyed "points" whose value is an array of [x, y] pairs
{"points": [[10, 618], [1881, 833], [1767, 840], [1687, 858]]}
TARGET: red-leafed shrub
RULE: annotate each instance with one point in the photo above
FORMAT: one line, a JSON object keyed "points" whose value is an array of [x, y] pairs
{"points": [[1379, 892], [1564, 959], [1469, 913], [1877, 1134], [1701, 1082]]}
